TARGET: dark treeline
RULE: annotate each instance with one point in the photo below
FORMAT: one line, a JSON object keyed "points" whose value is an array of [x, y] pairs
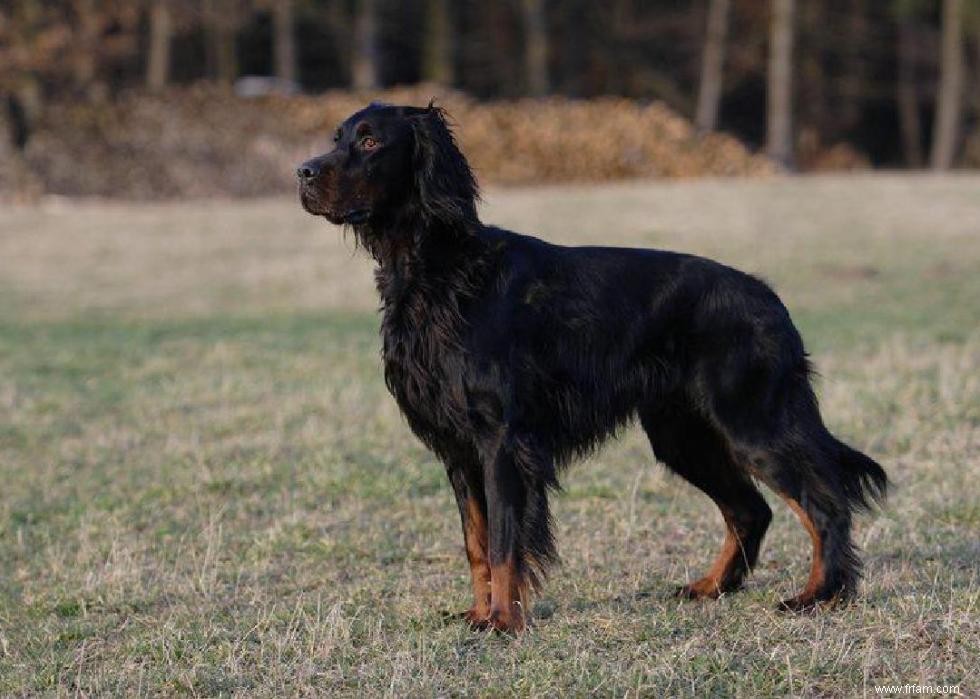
{"points": [[896, 79]]}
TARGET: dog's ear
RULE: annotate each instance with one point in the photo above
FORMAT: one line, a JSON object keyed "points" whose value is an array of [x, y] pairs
{"points": [[444, 183]]}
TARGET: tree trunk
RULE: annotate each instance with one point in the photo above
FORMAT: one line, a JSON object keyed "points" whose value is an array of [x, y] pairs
{"points": [[285, 40], [338, 22], [437, 61], [364, 63], [907, 95], [158, 58], [852, 82], [779, 124], [712, 62], [975, 92], [813, 86], [13, 126], [535, 47], [18, 109], [949, 101], [84, 57], [227, 60], [221, 50]]}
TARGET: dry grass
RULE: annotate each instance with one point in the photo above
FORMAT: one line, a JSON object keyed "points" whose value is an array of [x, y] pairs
{"points": [[206, 489]]}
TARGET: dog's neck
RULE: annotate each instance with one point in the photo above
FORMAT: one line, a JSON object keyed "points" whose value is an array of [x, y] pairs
{"points": [[432, 257]]}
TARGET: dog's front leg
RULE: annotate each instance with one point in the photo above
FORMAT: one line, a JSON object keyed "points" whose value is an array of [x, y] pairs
{"points": [[472, 512], [506, 496]]}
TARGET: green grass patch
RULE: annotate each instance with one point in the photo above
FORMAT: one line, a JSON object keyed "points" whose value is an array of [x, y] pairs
{"points": [[206, 489]]}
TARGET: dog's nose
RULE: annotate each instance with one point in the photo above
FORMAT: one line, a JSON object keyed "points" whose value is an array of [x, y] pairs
{"points": [[308, 170]]}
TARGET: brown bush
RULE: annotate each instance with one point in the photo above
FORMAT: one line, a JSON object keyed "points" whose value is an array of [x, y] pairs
{"points": [[207, 142], [813, 156]]}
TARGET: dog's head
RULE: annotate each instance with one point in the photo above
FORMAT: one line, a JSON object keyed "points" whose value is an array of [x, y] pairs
{"points": [[391, 165]]}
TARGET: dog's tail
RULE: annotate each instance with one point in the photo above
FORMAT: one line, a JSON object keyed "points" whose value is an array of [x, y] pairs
{"points": [[862, 479]]}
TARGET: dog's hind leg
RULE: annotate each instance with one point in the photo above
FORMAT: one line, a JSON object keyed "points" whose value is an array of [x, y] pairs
{"points": [[834, 564], [691, 448], [807, 480], [811, 472], [781, 439]]}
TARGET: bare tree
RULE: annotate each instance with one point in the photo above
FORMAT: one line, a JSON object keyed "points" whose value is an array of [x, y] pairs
{"points": [[437, 61], [85, 58], [852, 81], [285, 40], [221, 19], [158, 54], [364, 63], [907, 94], [535, 47], [949, 101], [712, 63], [779, 123]]}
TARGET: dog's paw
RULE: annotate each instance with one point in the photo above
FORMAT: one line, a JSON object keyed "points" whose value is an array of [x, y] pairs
{"points": [[808, 604], [798, 605], [705, 588], [476, 619], [511, 623]]}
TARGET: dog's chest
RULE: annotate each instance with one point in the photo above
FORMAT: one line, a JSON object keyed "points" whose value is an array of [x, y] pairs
{"points": [[421, 368]]}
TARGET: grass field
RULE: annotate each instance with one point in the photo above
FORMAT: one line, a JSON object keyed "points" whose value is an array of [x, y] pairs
{"points": [[205, 488]]}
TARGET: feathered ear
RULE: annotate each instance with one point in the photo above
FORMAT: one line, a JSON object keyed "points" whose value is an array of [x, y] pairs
{"points": [[444, 183]]}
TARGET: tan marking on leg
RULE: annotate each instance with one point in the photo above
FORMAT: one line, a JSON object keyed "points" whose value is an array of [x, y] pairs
{"points": [[718, 578], [508, 595], [815, 581], [475, 533]]}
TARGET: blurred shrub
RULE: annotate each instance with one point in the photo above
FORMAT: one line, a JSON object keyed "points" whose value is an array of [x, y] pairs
{"points": [[204, 141], [814, 156]]}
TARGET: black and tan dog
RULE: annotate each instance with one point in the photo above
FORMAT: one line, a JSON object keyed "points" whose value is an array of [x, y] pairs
{"points": [[509, 356]]}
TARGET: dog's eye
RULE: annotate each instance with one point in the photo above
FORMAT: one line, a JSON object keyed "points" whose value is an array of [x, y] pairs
{"points": [[336, 136], [369, 143]]}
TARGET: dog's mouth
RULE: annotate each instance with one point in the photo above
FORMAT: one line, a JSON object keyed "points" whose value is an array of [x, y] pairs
{"points": [[314, 205]]}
